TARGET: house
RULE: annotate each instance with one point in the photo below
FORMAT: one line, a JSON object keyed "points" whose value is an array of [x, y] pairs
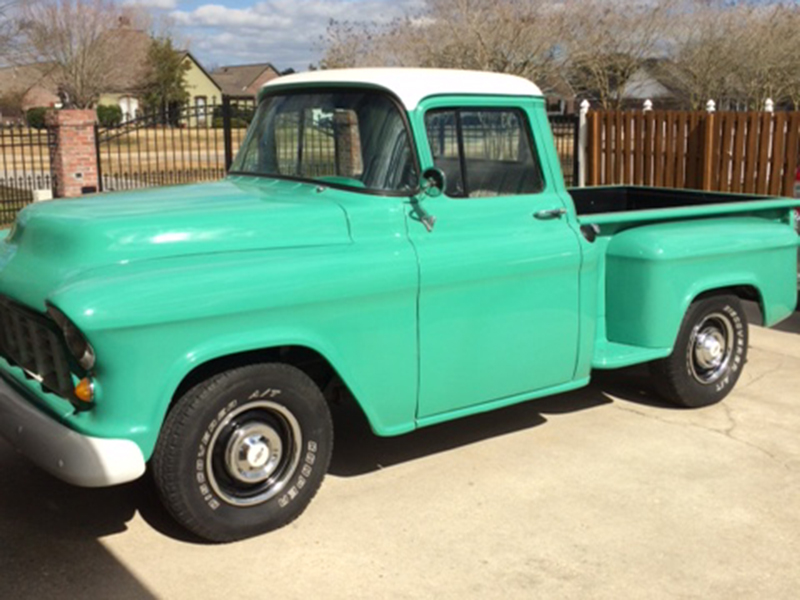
{"points": [[656, 82], [244, 80], [203, 90], [26, 86], [558, 93], [131, 70]]}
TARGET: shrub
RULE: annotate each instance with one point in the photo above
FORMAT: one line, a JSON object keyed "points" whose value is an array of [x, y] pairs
{"points": [[35, 117], [236, 123], [242, 114], [11, 105], [109, 115]]}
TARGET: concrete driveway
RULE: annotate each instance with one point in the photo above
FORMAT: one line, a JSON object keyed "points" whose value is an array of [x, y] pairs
{"points": [[601, 493]]}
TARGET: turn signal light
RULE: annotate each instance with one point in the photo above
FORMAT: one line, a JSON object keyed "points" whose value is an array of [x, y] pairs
{"points": [[84, 391]]}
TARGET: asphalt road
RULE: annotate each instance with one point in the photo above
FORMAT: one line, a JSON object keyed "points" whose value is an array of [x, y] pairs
{"points": [[600, 493]]}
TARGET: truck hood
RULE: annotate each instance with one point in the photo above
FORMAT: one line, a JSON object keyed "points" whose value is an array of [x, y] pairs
{"points": [[65, 237]]}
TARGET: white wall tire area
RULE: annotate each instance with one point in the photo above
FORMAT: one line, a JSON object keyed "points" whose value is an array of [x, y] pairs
{"points": [[709, 354], [244, 452]]}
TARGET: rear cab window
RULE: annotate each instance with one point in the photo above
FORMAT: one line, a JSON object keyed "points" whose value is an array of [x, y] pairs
{"points": [[484, 152]]}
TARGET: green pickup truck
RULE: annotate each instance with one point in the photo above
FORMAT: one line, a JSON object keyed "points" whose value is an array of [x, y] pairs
{"points": [[401, 235]]}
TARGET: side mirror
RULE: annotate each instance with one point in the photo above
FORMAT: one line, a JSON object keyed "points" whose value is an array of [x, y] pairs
{"points": [[434, 182]]}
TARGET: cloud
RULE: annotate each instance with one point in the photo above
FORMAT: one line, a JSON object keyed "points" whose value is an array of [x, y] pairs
{"points": [[286, 33], [158, 4], [221, 17]]}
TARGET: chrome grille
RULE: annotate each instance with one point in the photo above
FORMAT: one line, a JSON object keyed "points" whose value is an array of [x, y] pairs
{"points": [[31, 341]]}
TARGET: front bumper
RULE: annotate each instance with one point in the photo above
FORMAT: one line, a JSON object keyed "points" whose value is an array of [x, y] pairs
{"points": [[77, 459]]}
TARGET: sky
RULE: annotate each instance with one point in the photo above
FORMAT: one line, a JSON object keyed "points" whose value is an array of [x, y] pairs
{"points": [[286, 33]]}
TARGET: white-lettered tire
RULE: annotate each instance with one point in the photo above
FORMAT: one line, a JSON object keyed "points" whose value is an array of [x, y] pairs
{"points": [[709, 354], [244, 452]]}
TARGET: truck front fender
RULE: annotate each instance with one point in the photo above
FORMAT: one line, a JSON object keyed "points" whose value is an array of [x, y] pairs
{"points": [[152, 323]]}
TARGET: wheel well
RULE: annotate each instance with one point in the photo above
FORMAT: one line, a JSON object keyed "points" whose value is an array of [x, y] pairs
{"points": [[743, 292], [307, 360]]}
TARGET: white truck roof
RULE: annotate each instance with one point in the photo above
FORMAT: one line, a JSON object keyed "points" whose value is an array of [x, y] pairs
{"points": [[412, 85]]}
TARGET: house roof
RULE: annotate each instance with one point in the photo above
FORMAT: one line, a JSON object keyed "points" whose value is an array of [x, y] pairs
{"points": [[412, 85], [19, 79], [235, 79], [132, 61]]}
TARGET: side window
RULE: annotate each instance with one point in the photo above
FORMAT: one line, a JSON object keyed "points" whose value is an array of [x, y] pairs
{"points": [[483, 152], [441, 127]]}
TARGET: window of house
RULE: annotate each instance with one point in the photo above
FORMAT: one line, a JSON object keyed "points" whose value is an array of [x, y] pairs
{"points": [[200, 106], [483, 152]]}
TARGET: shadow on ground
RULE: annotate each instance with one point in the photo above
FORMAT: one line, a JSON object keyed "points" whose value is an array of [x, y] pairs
{"points": [[790, 325], [50, 530], [50, 535], [358, 451]]}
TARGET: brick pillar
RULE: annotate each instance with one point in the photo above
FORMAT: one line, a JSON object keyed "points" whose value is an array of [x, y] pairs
{"points": [[348, 143], [74, 157]]}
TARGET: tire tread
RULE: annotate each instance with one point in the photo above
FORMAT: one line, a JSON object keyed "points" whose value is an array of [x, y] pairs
{"points": [[164, 467], [672, 382]]}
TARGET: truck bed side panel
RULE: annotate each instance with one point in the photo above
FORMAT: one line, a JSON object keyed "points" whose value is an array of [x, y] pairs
{"points": [[654, 272]]}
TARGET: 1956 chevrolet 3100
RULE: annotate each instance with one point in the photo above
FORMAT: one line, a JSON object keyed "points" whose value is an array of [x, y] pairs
{"points": [[404, 235]]}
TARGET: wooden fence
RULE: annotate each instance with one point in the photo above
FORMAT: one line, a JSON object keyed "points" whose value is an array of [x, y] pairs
{"points": [[747, 152]]}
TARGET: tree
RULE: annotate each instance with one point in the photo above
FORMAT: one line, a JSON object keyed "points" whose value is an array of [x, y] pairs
{"points": [[8, 29], [607, 42], [74, 40], [345, 44], [703, 41], [765, 64], [737, 52], [519, 37], [165, 83]]}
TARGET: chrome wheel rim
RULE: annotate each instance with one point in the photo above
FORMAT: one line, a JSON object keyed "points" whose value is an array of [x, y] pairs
{"points": [[253, 453], [711, 347]]}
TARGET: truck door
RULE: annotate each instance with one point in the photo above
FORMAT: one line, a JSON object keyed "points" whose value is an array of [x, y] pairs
{"points": [[498, 304]]}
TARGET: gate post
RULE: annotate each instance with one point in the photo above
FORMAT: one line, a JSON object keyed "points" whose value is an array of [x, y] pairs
{"points": [[583, 142], [74, 158], [227, 137], [707, 173]]}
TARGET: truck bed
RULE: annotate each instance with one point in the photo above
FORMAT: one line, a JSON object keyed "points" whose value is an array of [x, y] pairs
{"points": [[619, 204], [608, 199]]}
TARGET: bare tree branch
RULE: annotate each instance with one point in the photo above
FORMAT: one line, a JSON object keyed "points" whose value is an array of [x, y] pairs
{"points": [[736, 52], [509, 36], [79, 44]]}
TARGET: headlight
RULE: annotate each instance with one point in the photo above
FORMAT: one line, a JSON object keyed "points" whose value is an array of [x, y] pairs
{"points": [[76, 344]]}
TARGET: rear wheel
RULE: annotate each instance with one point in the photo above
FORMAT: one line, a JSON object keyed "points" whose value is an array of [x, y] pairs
{"points": [[709, 354], [244, 452]]}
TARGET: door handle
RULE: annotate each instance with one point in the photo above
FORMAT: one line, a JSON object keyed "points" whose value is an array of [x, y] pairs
{"points": [[551, 213]]}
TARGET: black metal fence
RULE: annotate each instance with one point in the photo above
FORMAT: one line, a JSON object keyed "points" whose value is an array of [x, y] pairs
{"points": [[565, 133], [25, 167], [181, 144], [197, 143]]}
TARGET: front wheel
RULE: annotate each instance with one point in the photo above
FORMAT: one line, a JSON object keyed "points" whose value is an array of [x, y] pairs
{"points": [[709, 354], [244, 452]]}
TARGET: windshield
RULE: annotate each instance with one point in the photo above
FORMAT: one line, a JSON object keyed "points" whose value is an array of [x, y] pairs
{"points": [[350, 138]]}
